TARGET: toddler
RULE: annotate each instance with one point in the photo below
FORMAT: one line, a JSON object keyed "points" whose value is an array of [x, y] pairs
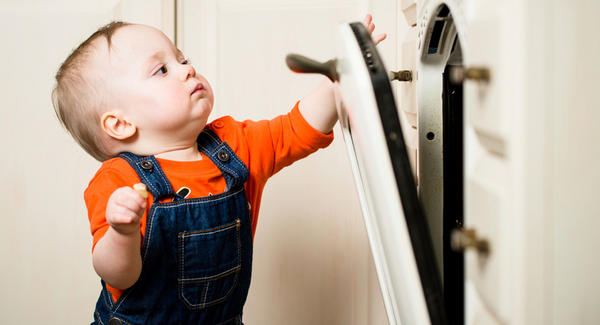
{"points": [[183, 255]]}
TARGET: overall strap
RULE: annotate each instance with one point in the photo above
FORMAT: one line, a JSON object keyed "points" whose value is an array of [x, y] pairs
{"points": [[219, 152], [151, 174]]}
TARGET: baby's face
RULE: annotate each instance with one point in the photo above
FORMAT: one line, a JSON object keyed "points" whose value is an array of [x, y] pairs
{"points": [[155, 87]]}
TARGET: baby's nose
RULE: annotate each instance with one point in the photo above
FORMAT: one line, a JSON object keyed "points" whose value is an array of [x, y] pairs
{"points": [[188, 71]]}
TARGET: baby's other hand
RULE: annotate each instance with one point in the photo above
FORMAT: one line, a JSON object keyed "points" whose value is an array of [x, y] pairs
{"points": [[124, 210], [368, 22]]}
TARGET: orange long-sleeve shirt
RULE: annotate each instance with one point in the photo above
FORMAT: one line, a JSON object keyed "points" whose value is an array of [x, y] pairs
{"points": [[264, 146]]}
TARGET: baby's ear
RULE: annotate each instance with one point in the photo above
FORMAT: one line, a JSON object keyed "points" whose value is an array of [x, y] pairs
{"points": [[116, 126]]}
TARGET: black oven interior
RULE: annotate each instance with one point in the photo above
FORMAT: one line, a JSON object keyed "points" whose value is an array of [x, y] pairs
{"points": [[442, 53]]}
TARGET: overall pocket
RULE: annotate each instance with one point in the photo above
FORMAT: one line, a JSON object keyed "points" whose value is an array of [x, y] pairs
{"points": [[209, 265]]}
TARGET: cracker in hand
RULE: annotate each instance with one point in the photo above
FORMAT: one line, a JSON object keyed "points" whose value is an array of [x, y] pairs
{"points": [[141, 189]]}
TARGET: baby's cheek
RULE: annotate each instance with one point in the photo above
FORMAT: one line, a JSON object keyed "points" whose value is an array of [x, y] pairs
{"points": [[175, 96]]}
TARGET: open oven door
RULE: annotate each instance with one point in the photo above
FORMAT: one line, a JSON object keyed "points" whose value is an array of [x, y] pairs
{"points": [[396, 226], [397, 229]]}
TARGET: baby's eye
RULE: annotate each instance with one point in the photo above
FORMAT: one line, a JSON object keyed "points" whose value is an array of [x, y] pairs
{"points": [[162, 70], [186, 61]]}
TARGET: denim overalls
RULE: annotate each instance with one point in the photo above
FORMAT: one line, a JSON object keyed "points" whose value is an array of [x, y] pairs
{"points": [[196, 253]]}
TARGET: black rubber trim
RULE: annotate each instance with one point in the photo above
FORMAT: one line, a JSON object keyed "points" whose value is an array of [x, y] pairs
{"points": [[413, 213]]}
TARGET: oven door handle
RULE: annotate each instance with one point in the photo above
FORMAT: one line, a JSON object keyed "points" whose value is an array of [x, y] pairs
{"points": [[301, 64]]}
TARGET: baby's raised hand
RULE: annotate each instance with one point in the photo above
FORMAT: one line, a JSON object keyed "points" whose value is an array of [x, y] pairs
{"points": [[124, 210], [368, 22]]}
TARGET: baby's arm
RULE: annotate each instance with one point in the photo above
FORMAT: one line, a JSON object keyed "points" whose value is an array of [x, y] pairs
{"points": [[319, 107], [116, 257]]}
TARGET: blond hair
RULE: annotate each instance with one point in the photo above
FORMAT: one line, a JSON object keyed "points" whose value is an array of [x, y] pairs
{"points": [[78, 95]]}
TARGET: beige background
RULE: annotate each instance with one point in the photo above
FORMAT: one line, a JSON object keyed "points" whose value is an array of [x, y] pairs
{"points": [[312, 259]]}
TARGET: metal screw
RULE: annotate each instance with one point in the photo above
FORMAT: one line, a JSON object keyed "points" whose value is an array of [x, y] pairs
{"points": [[402, 75], [462, 239], [460, 74]]}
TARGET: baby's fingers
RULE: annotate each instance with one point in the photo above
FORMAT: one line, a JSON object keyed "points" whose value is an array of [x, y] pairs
{"points": [[377, 39], [367, 21], [131, 200], [125, 198], [124, 216]]}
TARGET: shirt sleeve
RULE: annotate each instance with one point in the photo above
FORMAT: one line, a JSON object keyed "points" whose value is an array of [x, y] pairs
{"points": [[96, 195], [293, 138], [270, 145]]}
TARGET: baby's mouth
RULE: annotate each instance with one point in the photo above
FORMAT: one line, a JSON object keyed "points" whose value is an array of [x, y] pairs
{"points": [[199, 87]]}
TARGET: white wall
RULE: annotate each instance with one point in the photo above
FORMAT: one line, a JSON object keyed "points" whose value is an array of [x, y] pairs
{"points": [[46, 274]]}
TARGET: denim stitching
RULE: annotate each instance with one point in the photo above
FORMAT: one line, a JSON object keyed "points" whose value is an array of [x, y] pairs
{"points": [[133, 162], [210, 146], [161, 174], [243, 167], [235, 174], [182, 259], [205, 292], [239, 238], [153, 187], [122, 320], [126, 157], [181, 263], [123, 298], [149, 183], [238, 179], [207, 144], [211, 231], [225, 322], [214, 302], [108, 302], [136, 163], [232, 172], [214, 137], [209, 140], [221, 275], [205, 151], [152, 218], [182, 236], [233, 286], [237, 159], [145, 174], [98, 317], [220, 145]]}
